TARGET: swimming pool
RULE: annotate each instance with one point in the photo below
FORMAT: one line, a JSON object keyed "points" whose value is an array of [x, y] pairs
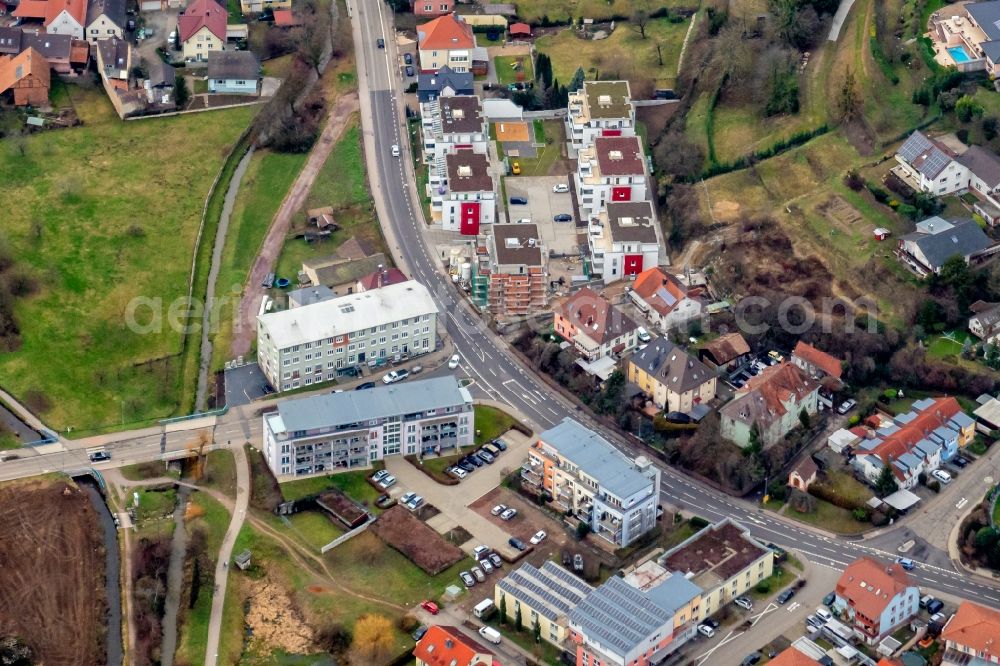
{"points": [[959, 54]]}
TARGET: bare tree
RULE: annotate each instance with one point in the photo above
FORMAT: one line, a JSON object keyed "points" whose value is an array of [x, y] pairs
{"points": [[639, 20], [849, 102]]}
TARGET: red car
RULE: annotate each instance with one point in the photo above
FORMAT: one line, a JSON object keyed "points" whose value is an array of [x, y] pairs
{"points": [[430, 607]]}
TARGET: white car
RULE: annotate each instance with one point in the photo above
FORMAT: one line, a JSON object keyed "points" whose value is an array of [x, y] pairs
{"points": [[508, 514], [379, 475], [407, 497], [498, 509], [458, 472], [414, 502], [387, 481], [561, 188], [486, 566], [479, 551], [454, 361], [643, 334], [395, 150], [706, 630], [941, 475], [538, 538], [390, 377]]}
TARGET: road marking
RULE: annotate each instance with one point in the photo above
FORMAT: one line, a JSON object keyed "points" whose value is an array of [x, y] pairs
{"points": [[962, 502]]}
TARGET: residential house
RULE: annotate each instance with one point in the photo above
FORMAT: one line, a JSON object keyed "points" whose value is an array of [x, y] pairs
{"points": [[984, 180], [725, 353], [341, 271], [972, 636], [723, 560], [611, 169], [817, 364], [298, 298], [791, 656], [599, 108], [27, 76], [114, 64], [258, 6], [585, 475], [918, 441], [937, 240], [929, 165], [843, 438], [286, 18], [445, 82], [465, 198], [803, 474], [105, 19], [352, 429], [450, 124], [233, 72], [445, 41], [772, 401], [969, 39], [596, 328], [985, 321], [314, 343], [448, 646], [424, 8], [664, 300], [623, 240], [499, 109], [875, 598], [987, 415], [675, 380], [159, 83], [509, 274], [58, 50], [202, 29], [544, 595], [383, 277], [58, 17]]}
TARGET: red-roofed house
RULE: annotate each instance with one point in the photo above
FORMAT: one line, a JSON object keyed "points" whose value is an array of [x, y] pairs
{"points": [[432, 7], [59, 17], [972, 632], [202, 28], [28, 75], [875, 598], [447, 646], [664, 300], [772, 400], [447, 40], [284, 18], [519, 30], [803, 474], [383, 277], [792, 657], [612, 169], [595, 326], [817, 363]]}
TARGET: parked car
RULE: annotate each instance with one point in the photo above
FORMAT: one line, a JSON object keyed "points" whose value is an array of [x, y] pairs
{"points": [[751, 659], [419, 633], [486, 455], [498, 509], [942, 476], [935, 606], [516, 543], [538, 537], [387, 481], [379, 475], [467, 578], [380, 43], [492, 450], [394, 376], [828, 599], [706, 630], [906, 563], [475, 460], [515, 168], [478, 573], [409, 70], [366, 385], [405, 499], [430, 607], [499, 443], [960, 462], [415, 503], [813, 621], [458, 472], [743, 603], [508, 514], [561, 188], [643, 334], [577, 562], [479, 551], [785, 596], [486, 566], [416, 370], [926, 599], [519, 201], [454, 361], [712, 622], [562, 217], [779, 553], [846, 406], [465, 465], [408, 58], [495, 559]]}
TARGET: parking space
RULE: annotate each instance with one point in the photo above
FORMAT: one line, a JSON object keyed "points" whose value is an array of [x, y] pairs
{"points": [[406, 49], [543, 204], [245, 384]]}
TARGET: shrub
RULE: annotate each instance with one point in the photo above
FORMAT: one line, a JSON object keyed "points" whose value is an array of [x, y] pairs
{"points": [[408, 623], [763, 586], [582, 530], [698, 522], [934, 485], [860, 515], [854, 180]]}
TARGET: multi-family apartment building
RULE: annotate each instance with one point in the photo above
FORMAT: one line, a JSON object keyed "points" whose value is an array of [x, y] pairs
{"points": [[202, 29], [596, 328], [623, 240], [972, 636], [723, 560], [316, 342], [599, 108], [352, 429], [450, 124], [876, 598], [510, 271], [771, 402], [675, 380], [465, 199], [446, 41], [610, 169], [545, 595], [586, 476]]}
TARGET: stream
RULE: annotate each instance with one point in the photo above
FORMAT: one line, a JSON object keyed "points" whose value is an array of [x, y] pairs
{"points": [[112, 568]]}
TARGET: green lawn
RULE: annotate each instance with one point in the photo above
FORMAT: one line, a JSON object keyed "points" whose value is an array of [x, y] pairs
{"points": [[155, 504], [220, 472], [8, 440], [548, 157], [829, 517], [146, 470], [491, 423], [847, 486], [678, 535], [315, 528], [563, 10], [777, 581], [941, 347], [440, 464], [99, 223], [511, 68], [268, 177], [353, 484]]}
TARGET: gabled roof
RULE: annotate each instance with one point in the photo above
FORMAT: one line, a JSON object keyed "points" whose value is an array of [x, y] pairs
{"points": [[911, 428], [763, 398], [985, 164], [963, 239], [448, 646], [233, 65], [49, 10], [820, 359], [869, 586], [461, 83], [445, 33], [112, 9], [114, 54], [660, 291], [161, 74], [974, 627], [725, 348], [382, 278], [27, 63], [792, 657], [594, 316], [672, 366], [806, 467], [285, 18], [927, 156], [203, 13]]}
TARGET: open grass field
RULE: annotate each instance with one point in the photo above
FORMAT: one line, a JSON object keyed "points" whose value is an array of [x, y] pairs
{"points": [[98, 224], [353, 484], [624, 54], [564, 10], [511, 69], [315, 528], [829, 517], [268, 177]]}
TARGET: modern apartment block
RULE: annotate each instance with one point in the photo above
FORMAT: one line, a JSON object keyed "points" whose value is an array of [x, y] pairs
{"points": [[316, 342], [876, 598], [449, 124], [585, 475], [623, 240], [612, 169], [510, 271], [352, 429], [465, 199], [544, 595], [599, 108]]}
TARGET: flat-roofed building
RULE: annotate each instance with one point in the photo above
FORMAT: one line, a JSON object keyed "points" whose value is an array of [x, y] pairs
{"points": [[352, 429], [466, 198], [612, 169], [450, 124], [599, 108], [511, 269], [623, 240]]}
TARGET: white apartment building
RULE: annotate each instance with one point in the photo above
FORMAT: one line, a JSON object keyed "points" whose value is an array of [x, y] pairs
{"points": [[585, 474], [316, 342], [599, 108], [352, 429], [466, 199], [612, 169], [450, 124], [623, 240]]}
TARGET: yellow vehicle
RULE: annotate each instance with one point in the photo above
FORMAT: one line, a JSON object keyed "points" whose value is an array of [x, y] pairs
{"points": [[515, 168]]}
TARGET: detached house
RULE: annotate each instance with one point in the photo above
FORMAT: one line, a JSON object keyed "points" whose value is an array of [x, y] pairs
{"points": [[233, 72], [596, 328], [664, 300], [623, 240], [444, 83], [972, 636], [448, 646], [726, 352], [985, 321], [599, 108], [676, 381], [105, 19], [446, 41], [27, 75], [612, 169], [818, 364], [876, 598], [202, 28], [772, 401], [466, 198], [432, 7], [937, 240], [928, 165], [58, 17]]}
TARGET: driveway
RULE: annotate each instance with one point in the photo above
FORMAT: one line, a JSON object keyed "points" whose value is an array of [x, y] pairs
{"points": [[162, 23], [838, 19]]}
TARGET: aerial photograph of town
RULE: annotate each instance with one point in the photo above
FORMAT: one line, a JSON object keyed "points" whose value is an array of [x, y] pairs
{"points": [[541, 333]]}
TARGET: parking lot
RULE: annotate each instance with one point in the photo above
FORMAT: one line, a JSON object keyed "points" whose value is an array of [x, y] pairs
{"points": [[543, 204]]}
